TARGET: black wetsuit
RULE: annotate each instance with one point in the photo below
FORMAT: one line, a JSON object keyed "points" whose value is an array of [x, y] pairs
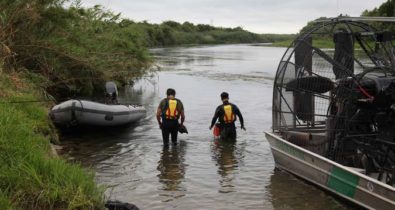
{"points": [[228, 130], [170, 126]]}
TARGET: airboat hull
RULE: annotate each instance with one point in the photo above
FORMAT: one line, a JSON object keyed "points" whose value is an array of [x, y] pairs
{"points": [[338, 179], [88, 113]]}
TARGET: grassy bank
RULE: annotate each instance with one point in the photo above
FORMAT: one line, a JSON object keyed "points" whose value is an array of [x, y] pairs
{"points": [[31, 177], [74, 50], [284, 43], [320, 43]]}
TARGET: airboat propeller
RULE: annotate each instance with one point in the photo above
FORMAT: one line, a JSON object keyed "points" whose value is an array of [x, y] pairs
{"points": [[346, 93]]}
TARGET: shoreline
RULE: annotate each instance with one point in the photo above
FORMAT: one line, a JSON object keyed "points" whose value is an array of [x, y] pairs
{"points": [[38, 177]]}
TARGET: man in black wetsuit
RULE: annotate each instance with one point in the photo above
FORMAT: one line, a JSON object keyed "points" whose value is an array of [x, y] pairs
{"points": [[170, 110], [226, 115]]}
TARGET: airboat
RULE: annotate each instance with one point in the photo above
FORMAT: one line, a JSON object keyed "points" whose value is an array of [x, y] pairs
{"points": [[334, 110]]}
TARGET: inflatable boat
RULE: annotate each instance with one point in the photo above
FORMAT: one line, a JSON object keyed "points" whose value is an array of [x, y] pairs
{"points": [[82, 112]]}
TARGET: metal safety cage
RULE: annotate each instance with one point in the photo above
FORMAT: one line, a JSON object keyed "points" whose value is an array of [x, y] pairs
{"points": [[358, 47], [345, 93]]}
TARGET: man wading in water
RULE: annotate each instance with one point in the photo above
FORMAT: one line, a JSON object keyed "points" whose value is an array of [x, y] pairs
{"points": [[169, 110], [226, 115]]}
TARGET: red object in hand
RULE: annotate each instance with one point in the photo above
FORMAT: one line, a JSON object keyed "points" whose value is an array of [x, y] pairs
{"points": [[216, 131]]}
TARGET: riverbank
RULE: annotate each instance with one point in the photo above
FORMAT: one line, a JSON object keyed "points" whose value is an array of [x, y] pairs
{"points": [[322, 43], [31, 176], [47, 49]]}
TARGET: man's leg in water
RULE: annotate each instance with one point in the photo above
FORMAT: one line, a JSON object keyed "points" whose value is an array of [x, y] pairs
{"points": [[165, 133], [165, 136], [228, 132], [174, 132]]}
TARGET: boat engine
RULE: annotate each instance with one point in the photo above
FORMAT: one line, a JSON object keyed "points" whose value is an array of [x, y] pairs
{"points": [[111, 93], [363, 114]]}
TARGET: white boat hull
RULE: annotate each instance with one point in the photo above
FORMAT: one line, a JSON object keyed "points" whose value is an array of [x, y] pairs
{"points": [[82, 112], [343, 181]]}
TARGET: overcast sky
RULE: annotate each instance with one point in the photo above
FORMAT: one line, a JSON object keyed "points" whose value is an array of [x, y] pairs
{"points": [[260, 16]]}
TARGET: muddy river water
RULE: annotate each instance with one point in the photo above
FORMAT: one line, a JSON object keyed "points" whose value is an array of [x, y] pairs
{"points": [[199, 173]]}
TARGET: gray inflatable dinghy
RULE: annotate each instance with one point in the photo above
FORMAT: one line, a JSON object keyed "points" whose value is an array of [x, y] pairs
{"points": [[82, 112]]}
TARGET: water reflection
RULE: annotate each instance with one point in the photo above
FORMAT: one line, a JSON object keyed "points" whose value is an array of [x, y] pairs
{"points": [[89, 145], [140, 171], [179, 57], [288, 192], [223, 153], [171, 167], [141, 91]]}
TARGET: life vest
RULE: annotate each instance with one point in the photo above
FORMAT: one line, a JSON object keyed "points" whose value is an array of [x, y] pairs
{"points": [[229, 116], [171, 111]]}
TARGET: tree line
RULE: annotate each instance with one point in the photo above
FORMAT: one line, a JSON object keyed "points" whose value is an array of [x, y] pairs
{"points": [[72, 50], [386, 9]]}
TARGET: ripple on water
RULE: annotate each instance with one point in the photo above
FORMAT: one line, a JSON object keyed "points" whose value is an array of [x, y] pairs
{"points": [[199, 173]]}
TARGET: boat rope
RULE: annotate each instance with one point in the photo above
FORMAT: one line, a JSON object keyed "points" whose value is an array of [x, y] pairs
{"points": [[82, 105]]}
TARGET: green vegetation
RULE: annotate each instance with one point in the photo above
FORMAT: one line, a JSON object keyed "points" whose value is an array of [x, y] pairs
{"points": [[76, 49], [171, 33], [324, 43], [31, 177], [73, 50], [320, 43], [284, 43], [386, 9]]}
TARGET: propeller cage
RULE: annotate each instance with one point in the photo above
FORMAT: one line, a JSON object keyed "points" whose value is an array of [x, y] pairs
{"points": [[340, 96]]}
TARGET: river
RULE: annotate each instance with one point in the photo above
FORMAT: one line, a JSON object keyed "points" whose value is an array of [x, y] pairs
{"points": [[199, 173]]}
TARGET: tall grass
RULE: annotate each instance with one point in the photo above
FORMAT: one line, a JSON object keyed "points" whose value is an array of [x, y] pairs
{"points": [[30, 176], [5, 202]]}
